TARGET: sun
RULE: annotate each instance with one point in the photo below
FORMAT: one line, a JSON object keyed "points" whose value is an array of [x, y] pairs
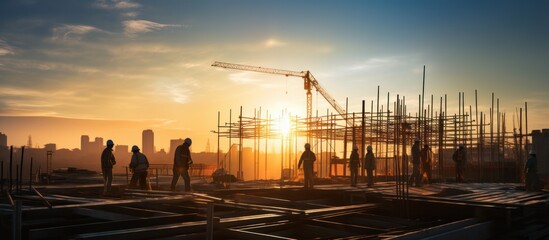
{"points": [[284, 126]]}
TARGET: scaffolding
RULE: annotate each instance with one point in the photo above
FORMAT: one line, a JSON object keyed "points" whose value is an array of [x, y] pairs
{"points": [[494, 153]]}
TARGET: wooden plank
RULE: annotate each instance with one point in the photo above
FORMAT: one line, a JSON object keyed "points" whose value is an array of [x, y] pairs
{"points": [[432, 231], [480, 231], [491, 198], [41, 197], [281, 210], [243, 234], [527, 197], [64, 232], [103, 215], [471, 196], [114, 202], [179, 228]]}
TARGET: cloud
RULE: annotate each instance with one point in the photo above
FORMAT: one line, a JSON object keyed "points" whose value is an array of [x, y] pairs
{"points": [[130, 14], [270, 43], [5, 49], [243, 78], [373, 63], [116, 4], [134, 27], [179, 92], [72, 32]]}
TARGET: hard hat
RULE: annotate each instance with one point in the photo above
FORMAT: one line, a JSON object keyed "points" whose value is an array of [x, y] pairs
{"points": [[355, 147], [369, 148], [307, 145], [416, 140], [532, 152], [110, 143], [135, 148], [188, 141]]}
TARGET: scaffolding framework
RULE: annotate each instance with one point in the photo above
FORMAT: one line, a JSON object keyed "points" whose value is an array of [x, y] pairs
{"points": [[494, 153]]}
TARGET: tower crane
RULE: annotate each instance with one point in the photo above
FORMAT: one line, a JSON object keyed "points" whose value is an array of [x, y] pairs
{"points": [[309, 81]]}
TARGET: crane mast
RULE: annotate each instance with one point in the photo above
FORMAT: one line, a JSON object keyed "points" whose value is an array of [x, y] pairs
{"points": [[309, 82]]}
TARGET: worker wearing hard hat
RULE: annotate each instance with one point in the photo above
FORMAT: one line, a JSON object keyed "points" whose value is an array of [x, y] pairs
{"points": [[107, 162], [370, 165], [354, 164], [181, 162], [426, 162], [460, 158], [416, 160], [531, 172], [139, 165], [307, 159]]}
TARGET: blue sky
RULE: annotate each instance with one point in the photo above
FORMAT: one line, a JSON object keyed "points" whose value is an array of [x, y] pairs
{"points": [[150, 60]]}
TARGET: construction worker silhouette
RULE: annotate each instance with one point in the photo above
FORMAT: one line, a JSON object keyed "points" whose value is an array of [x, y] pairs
{"points": [[107, 162], [370, 165], [181, 163], [307, 159], [416, 160], [354, 164], [460, 158], [139, 165], [426, 162], [531, 172]]}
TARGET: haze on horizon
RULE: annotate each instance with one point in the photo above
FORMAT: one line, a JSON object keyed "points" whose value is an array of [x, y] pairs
{"points": [[129, 65]]}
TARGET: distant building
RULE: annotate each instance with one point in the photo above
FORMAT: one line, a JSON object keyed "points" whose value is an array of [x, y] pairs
{"points": [[173, 145], [50, 147], [121, 149], [3, 139], [99, 142], [84, 142], [91, 147], [147, 145]]}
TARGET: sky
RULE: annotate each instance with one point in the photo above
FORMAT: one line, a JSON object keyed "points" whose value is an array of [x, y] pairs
{"points": [[148, 63]]}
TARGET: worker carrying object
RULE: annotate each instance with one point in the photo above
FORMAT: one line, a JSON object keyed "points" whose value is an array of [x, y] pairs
{"points": [[139, 165], [307, 159], [181, 163], [107, 162], [354, 164], [460, 158], [426, 162], [415, 178], [531, 172], [370, 165]]}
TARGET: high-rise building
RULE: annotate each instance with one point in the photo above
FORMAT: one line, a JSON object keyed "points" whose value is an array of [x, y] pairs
{"points": [[50, 147], [99, 142], [148, 142], [121, 149], [3, 139], [174, 143], [84, 142]]}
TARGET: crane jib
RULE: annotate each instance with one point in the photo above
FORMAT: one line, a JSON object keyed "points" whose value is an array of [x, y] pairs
{"points": [[308, 81]]}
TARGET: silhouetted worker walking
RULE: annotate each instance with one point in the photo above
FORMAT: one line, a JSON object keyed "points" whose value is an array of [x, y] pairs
{"points": [[139, 165], [426, 162], [460, 157], [416, 160], [307, 159], [354, 164], [370, 165], [107, 162], [531, 172], [181, 162]]}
